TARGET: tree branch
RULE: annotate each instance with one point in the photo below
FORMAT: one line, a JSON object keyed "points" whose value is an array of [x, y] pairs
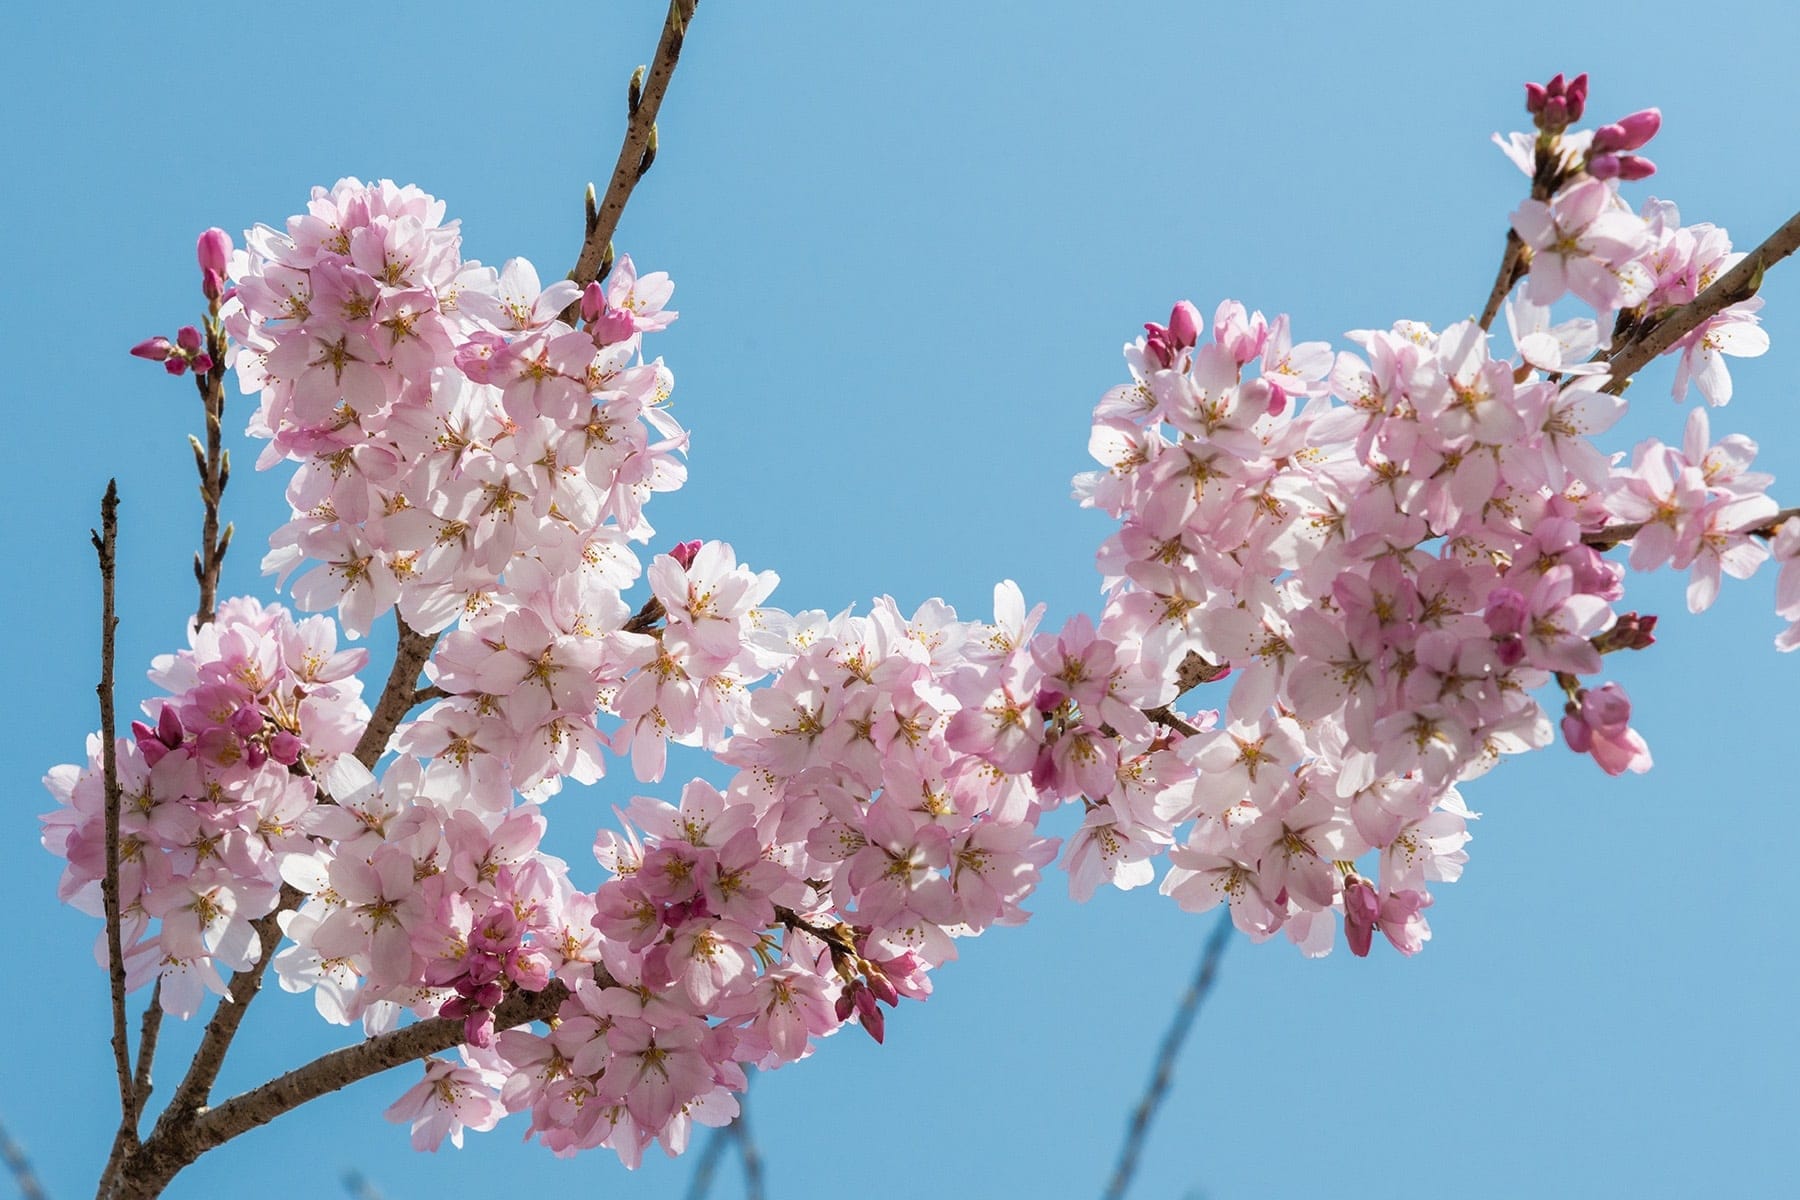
{"points": [[1189, 1008], [1735, 286], [397, 697], [166, 1153], [214, 465], [147, 1035], [1512, 267], [1612, 535], [638, 150]]}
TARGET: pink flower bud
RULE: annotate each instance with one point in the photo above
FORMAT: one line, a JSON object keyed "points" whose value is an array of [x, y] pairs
{"points": [[883, 989], [212, 284], [1604, 166], [1628, 133], [155, 349], [175, 365], [1576, 733], [213, 251], [1555, 86], [875, 1022], [286, 748], [1362, 909], [1555, 116], [1184, 324], [593, 302], [188, 338], [1631, 167], [1534, 98], [1506, 609], [168, 726], [1156, 346], [202, 363], [612, 327], [1576, 96], [683, 552]]}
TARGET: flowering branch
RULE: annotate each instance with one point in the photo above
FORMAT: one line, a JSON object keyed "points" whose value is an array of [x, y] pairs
{"points": [[214, 465], [1164, 1072], [179, 1142], [1735, 286], [637, 152], [399, 695]]}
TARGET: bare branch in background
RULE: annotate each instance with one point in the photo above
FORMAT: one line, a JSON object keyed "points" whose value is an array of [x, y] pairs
{"points": [[1164, 1073], [357, 1187], [24, 1178]]}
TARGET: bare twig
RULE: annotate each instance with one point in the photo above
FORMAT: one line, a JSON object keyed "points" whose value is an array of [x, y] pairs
{"points": [[645, 619], [1139, 1127], [706, 1165], [214, 464], [643, 99], [746, 1144], [1735, 286], [106, 544], [24, 1178]]}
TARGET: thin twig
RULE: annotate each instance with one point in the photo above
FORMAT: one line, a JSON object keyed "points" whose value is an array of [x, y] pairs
{"points": [[638, 149], [706, 1165], [1139, 1127], [746, 1144], [645, 619], [24, 1178], [214, 465], [106, 544], [1735, 286]]}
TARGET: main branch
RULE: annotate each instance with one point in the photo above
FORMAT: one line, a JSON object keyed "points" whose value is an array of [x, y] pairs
{"points": [[168, 1152], [106, 544]]}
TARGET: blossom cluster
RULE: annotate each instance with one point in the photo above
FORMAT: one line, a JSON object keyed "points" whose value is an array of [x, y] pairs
{"points": [[216, 789], [1386, 558]]}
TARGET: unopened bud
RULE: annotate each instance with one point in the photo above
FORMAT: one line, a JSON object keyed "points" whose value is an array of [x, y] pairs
{"points": [[593, 302], [1576, 96], [683, 552], [188, 338], [1534, 98], [213, 251], [1184, 325], [1633, 167], [155, 349]]}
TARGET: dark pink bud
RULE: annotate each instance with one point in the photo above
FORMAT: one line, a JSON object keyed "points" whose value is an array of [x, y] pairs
{"points": [[1604, 166], [1555, 86], [255, 755], [213, 251], [247, 722], [1628, 133], [1184, 324], [188, 338], [1506, 609], [883, 989], [1577, 95], [1631, 167], [1534, 98], [875, 1022], [612, 327], [1555, 116], [168, 726], [212, 284], [683, 552], [286, 748], [1643, 633], [1576, 733], [202, 363], [175, 365], [845, 1004], [593, 302], [1157, 348], [1510, 650], [155, 349]]}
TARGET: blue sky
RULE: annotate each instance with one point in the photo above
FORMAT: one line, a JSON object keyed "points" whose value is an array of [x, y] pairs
{"points": [[908, 243]]}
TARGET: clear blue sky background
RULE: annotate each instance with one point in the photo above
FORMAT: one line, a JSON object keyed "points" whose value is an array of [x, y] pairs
{"points": [[908, 243]]}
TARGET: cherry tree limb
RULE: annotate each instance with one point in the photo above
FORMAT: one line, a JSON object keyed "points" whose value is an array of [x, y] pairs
{"points": [[1612, 535], [638, 150], [1735, 286], [1139, 1127], [180, 1142], [214, 464]]}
